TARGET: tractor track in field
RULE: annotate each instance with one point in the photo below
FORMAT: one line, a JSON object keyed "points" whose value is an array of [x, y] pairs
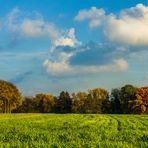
{"points": [[119, 128]]}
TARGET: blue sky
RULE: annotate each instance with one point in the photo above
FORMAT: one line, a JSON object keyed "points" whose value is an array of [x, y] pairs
{"points": [[71, 45]]}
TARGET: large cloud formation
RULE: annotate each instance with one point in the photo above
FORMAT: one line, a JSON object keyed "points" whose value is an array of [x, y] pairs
{"points": [[91, 58], [66, 50], [129, 27]]}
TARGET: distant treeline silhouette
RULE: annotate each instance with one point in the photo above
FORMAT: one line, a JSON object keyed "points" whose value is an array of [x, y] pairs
{"points": [[128, 99]]}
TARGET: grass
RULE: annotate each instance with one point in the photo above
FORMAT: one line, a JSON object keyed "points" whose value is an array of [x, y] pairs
{"points": [[73, 131]]}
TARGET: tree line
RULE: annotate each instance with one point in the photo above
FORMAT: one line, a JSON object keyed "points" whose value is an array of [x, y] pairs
{"points": [[128, 99]]}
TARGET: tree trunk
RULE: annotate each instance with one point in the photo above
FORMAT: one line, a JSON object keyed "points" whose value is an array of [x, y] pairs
{"points": [[9, 108], [5, 107]]}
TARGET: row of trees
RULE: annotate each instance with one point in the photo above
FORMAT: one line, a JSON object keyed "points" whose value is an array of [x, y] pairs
{"points": [[127, 99], [93, 101]]}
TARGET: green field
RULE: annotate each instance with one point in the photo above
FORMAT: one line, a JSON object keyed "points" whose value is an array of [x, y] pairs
{"points": [[73, 130]]}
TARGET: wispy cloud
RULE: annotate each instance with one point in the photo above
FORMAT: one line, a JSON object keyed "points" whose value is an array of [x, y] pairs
{"points": [[18, 22], [20, 78]]}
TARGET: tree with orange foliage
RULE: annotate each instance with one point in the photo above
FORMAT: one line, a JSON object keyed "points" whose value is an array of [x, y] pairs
{"points": [[44, 103], [10, 97], [78, 103], [140, 104]]}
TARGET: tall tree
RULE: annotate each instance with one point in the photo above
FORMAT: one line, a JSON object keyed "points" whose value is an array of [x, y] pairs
{"points": [[10, 96], [64, 103], [115, 101]]}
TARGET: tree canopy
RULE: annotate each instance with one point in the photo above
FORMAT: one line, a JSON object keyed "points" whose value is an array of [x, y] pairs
{"points": [[10, 96], [140, 104]]}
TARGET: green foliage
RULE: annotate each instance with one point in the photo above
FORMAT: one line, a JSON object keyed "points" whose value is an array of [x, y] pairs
{"points": [[128, 93], [64, 103], [116, 101], [121, 99], [73, 131]]}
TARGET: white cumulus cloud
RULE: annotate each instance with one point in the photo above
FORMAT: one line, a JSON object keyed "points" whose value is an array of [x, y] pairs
{"points": [[130, 26], [94, 15]]}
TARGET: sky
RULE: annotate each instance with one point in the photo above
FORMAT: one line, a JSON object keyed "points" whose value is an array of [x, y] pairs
{"points": [[49, 46]]}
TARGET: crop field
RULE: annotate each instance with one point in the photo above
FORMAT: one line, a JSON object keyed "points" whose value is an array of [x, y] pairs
{"points": [[73, 131]]}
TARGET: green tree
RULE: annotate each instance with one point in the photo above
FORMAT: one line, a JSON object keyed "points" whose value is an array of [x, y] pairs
{"points": [[27, 105], [128, 93], [115, 101], [64, 103], [10, 96]]}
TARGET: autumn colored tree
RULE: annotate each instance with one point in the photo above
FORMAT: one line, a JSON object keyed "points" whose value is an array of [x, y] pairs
{"points": [[10, 96], [78, 102], [96, 99], [93, 101], [44, 103], [140, 104], [1, 106], [40, 103]]}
